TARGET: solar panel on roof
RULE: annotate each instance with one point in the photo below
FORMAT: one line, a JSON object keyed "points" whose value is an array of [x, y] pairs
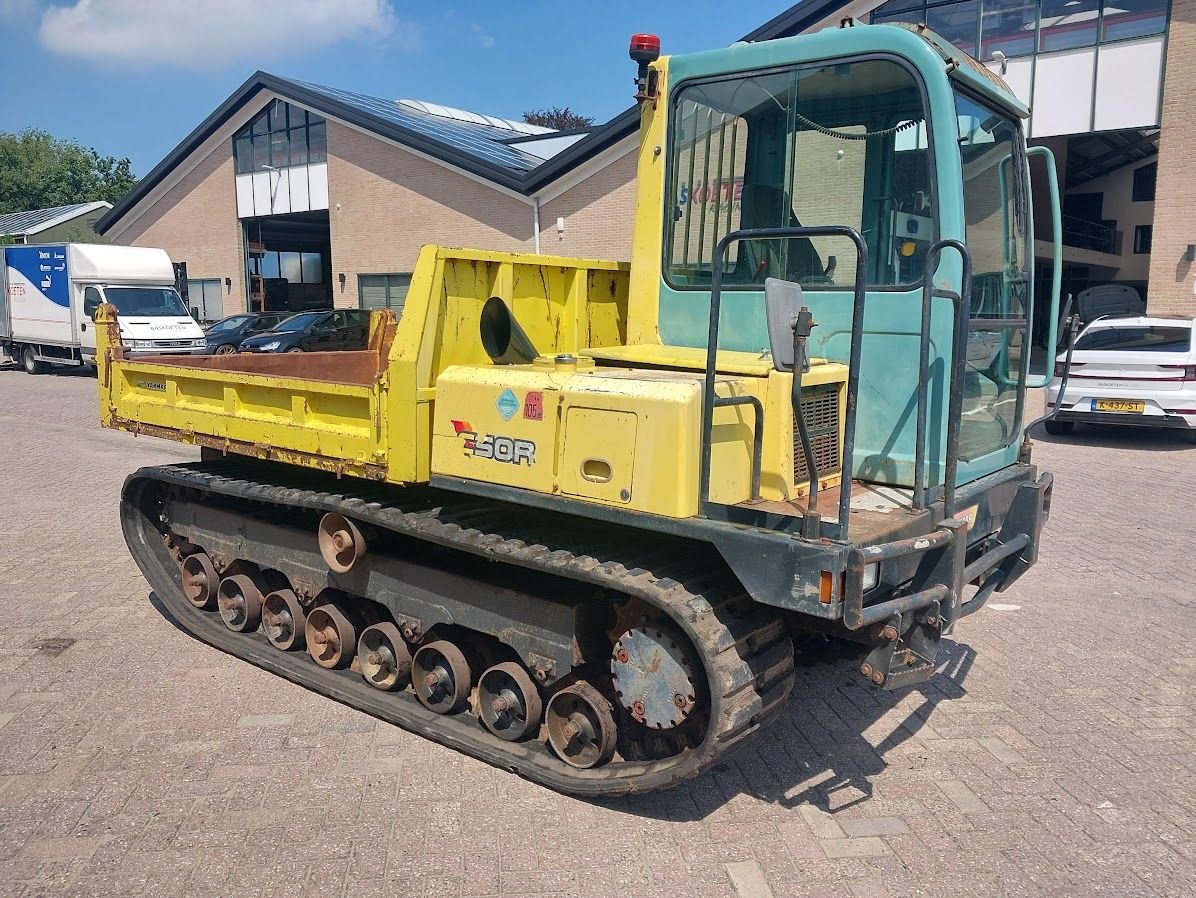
{"points": [[478, 139]]}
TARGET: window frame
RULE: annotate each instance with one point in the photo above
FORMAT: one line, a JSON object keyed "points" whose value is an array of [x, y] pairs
{"points": [[1143, 236], [1138, 196], [676, 92], [388, 287], [260, 138], [1026, 325]]}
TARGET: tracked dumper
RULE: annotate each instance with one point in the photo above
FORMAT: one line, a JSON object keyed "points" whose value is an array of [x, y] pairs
{"points": [[567, 516]]}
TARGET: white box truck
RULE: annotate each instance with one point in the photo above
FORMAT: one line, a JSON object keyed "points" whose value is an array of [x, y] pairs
{"points": [[48, 295]]}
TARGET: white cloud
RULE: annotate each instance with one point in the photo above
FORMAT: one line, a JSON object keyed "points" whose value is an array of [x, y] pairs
{"points": [[486, 40], [212, 33]]}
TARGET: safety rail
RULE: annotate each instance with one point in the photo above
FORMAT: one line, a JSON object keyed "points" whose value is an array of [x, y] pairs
{"points": [[962, 303], [710, 402], [856, 614]]}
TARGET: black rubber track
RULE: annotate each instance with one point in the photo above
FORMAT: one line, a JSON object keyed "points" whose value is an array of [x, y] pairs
{"points": [[747, 654]]}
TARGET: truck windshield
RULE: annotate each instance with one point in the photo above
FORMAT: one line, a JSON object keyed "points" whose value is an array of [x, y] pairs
{"points": [[149, 302], [841, 144]]}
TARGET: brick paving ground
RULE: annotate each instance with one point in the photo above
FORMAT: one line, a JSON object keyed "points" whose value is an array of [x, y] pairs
{"points": [[1053, 755]]}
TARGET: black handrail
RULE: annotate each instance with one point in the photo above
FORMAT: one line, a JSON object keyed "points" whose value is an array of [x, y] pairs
{"points": [[853, 371], [962, 302]]}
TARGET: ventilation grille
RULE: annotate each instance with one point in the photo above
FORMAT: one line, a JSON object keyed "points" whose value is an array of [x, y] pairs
{"points": [[821, 407]]}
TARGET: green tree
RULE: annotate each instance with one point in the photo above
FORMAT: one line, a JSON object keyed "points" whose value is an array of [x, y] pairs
{"points": [[559, 118], [37, 171]]}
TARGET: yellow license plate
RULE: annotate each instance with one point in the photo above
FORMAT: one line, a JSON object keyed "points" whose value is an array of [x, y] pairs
{"points": [[1132, 406]]}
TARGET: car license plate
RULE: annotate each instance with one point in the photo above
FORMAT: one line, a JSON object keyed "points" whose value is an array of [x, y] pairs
{"points": [[1124, 406]]}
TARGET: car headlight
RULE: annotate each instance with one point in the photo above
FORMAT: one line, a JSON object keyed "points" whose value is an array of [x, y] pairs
{"points": [[871, 576], [199, 343], [271, 346], [142, 344]]}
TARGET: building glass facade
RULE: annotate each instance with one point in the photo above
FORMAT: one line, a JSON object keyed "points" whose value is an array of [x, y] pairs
{"points": [[1024, 27], [280, 136]]}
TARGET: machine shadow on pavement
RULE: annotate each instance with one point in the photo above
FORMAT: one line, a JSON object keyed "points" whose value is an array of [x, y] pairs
{"points": [[817, 753]]}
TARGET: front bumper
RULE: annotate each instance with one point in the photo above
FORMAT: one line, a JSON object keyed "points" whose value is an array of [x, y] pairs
{"points": [[905, 628]]}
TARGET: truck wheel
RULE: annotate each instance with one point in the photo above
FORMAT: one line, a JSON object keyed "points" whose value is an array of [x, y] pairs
{"points": [[32, 365], [1059, 428]]}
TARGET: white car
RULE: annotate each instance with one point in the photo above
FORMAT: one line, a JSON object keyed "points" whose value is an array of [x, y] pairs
{"points": [[1132, 371]]}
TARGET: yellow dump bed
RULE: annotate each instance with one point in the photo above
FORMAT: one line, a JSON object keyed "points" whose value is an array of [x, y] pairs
{"points": [[366, 413]]}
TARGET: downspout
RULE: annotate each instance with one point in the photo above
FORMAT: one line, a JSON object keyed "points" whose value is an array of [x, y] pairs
{"points": [[536, 221]]}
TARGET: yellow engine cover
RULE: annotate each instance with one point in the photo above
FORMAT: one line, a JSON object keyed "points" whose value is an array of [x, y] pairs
{"points": [[623, 437]]}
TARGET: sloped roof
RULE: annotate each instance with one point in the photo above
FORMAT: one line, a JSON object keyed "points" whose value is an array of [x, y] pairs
{"points": [[471, 146], [37, 220], [479, 139]]}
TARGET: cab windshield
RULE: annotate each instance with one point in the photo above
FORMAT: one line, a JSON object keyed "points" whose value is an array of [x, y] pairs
{"points": [[841, 144], [146, 302]]}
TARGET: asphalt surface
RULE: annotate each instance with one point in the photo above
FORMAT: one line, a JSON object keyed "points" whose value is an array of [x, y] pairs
{"points": [[1052, 755]]}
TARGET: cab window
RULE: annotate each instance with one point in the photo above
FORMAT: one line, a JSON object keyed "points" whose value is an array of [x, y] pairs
{"points": [[91, 301], [996, 218], [841, 144]]}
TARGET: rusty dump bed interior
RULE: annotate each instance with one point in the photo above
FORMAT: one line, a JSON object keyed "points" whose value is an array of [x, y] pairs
{"points": [[361, 367]]}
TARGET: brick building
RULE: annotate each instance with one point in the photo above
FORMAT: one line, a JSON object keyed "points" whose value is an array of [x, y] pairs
{"points": [[292, 195]]}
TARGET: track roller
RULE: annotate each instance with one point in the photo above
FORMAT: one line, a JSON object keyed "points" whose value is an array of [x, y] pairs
{"points": [[441, 677], [200, 580], [240, 603], [341, 542], [331, 636], [581, 726], [509, 703], [384, 657], [284, 620]]}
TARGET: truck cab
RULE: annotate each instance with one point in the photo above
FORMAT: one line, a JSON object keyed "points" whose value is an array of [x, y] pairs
{"points": [[51, 294]]}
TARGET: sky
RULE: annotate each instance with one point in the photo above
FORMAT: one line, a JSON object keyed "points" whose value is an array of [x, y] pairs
{"points": [[133, 77]]}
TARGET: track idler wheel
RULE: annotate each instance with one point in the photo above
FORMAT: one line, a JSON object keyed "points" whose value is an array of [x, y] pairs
{"points": [[654, 676], [284, 620], [341, 542], [384, 657], [441, 677], [581, 726], [200, 581], [331, 636], [240, 603], [509, 703]]}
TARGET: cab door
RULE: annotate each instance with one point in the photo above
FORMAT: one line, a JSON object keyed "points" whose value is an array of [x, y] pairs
{"points": [[85, 326]]}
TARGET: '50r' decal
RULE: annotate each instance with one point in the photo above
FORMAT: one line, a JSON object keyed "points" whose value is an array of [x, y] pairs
{"points": [[508, 450]]}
